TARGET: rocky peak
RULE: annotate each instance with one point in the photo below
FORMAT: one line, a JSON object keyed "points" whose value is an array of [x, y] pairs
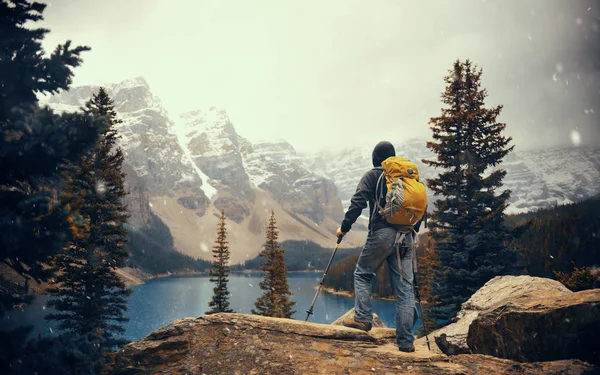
{"points": [[186, 169], [151, 150], [210, 140], [276, 167]]}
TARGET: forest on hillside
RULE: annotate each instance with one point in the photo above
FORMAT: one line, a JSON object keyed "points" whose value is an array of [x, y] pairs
{"points": [[303, 256], [152, 250]]}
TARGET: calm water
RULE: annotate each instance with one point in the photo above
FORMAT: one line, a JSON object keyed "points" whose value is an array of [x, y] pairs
{"points": [[160, 301]]}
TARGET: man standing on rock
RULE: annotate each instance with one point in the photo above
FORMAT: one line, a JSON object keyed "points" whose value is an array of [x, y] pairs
{"points": [[380, 246]]}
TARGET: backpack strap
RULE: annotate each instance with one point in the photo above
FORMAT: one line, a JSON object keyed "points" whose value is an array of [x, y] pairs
{"points": [[377, 198], [379, 192]]}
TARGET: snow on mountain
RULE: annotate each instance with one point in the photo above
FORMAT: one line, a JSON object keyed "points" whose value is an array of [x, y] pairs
{"points": [[277, 168], [239, 167], [537, 179], [544, 178], [150, 147], [189, 168]]}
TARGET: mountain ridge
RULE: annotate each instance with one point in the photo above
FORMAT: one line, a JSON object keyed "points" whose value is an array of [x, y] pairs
{"points": [[188, 168]]}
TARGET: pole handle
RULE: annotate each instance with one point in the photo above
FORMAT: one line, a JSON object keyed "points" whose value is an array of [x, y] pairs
{"points": [[340, 238]]}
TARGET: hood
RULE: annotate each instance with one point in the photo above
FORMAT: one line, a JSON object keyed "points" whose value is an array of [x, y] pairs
{"points": [[382, 151]]}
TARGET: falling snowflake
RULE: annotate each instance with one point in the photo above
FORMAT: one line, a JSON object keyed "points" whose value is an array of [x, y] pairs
{"points": [[579, 21], [554, 77], [100, 187], [251, 286], [150, 203], [50, 328], [559, 68], [204, 247], [44, 307], [575, 137]]}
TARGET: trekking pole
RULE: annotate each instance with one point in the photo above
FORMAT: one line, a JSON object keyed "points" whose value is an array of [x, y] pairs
{"points": [[421, 311], [309, 312]]}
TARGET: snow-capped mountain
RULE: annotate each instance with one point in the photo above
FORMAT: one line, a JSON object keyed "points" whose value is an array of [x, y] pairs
{"points": [[537, 179], [151, 149], [237, 169], [544, 178], [187, 169]]}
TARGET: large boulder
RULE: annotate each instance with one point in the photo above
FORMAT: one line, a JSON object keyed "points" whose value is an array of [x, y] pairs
{"points": [[250, 344], [377, 323], [540, 326], [452, 339]]}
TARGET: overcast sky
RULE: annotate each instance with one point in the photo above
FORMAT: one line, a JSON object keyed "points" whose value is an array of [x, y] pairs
{"points": [[340, 73]]}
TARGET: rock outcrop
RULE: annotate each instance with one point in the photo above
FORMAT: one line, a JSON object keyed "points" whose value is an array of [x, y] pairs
{"points": [[248, 344], [540, 326], [452, 339]]}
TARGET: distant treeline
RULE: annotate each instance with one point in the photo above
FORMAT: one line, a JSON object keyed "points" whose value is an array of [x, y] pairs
{"points": [[152, 250], [557, 239], [560, 238], [302, 256]]}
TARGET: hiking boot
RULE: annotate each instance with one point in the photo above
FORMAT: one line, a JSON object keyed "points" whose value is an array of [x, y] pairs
{"points": [[407, 350], [350, 322]]}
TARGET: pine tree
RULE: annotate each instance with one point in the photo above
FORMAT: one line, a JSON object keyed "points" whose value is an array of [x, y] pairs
{"points": [[220, 271], [467, 223], [275, 300], [34, 142], [89, 297]]}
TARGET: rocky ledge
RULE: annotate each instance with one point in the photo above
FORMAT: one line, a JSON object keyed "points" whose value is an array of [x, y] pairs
{"points": [[526, 318], [249, 344]]}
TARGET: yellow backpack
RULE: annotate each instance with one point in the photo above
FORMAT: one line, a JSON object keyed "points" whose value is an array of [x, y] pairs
{"points": [[406, 199]]}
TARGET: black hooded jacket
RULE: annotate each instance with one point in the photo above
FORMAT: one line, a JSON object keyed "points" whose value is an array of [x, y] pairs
{"points": [[365, 193]]}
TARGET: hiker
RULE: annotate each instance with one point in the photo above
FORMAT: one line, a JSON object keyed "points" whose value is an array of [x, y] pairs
{"points": [[385, 241]]}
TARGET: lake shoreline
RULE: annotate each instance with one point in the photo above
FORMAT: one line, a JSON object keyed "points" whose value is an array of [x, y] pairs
{"points": [[346, 293], [135, 276]]}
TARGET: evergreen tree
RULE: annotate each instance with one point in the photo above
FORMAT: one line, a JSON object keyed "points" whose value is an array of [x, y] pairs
{"points": [[467, 223], [34, 142], [89, 297], [275, 300], [220, 270]]}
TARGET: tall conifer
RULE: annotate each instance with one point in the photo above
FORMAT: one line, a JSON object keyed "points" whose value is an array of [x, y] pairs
{"points": [[275, 300], [89, 297], [467, 223], [220, 270], [34, 143]]}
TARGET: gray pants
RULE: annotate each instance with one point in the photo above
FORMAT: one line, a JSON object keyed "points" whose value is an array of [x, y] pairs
{"points": [[380, 247]]}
